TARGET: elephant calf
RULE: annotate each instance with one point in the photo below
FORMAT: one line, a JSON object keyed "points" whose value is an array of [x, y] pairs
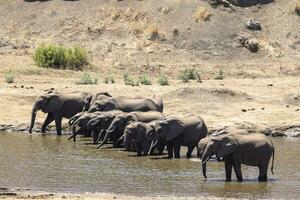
{"points": [[136, 132], [237, 149], [178, 132]]}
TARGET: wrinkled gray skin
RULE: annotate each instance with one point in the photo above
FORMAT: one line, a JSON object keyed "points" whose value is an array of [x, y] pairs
{"points": [[178, 132], [117, 127], [58, 106], [90, 100], [237, 149], [136, 132], [101, 123], [81, 123], [128, 104]]}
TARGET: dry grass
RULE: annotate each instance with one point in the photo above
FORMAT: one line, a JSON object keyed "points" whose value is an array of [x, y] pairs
{"points": [[137, 28], [152, 32], [202, 14], [297, 7]]}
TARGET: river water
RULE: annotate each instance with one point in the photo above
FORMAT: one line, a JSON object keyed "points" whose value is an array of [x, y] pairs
{"points": [[53, 164]]}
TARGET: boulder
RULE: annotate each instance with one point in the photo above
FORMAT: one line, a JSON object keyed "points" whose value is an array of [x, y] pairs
{"points": [[245, 3], [253, 25]]}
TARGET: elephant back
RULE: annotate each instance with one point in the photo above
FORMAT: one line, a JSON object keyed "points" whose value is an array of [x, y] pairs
{"points": [[148, 116], [195, 129]]}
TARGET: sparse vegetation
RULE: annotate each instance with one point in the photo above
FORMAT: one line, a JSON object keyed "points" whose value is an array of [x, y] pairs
{"points": [[59, 57], [128, 80], [163, 80], [202, 14], [9, 78], [87, 79], [297, 7], [152, 32], [189, 74], [220, 75], [108, 80], [137, 29], [145, 80]]}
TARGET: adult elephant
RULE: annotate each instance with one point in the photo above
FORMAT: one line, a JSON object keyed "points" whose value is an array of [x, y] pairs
{"points": [[58, 105], [80, 124], [117, 126], [178, 132], [136, 132], [128, 104], [237, 149], [90, 100]]}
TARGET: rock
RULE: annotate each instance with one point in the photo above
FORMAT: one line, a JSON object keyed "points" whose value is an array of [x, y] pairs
{"points": [[250, 44], [246, 3], [244, 110], [225, 3], [253, 25], [270, 85], [175, 32]]}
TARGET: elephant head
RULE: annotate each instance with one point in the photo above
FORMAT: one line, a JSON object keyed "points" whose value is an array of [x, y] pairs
{"points": [[90, 99], [117, 127], [220, 146], [47, 103], [167, 130], [102, 105], [135, 132]]}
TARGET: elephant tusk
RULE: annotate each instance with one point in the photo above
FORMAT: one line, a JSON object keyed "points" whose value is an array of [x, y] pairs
{"points": [[207, 159]]}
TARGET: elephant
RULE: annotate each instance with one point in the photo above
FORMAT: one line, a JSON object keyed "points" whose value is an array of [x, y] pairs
{"points": [[101, 123], [58, 105], [236, 149], [90, 100], [128, 104], [117, 126], [136, 132], [178, 132]]}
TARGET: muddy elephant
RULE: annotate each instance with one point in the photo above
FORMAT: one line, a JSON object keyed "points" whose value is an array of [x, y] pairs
{"points": [[59, 105], [117, 126], [136, 132], [178, 132], [236, 149], [80, 121], [101, 123], [128, 104]]}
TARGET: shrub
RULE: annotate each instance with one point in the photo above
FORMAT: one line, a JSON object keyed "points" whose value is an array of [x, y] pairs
{"points": [[87, 79], [108, 80], [189, 74], [152, 32], [59, 57], [297, 7], [9, 78], [202, 14], [162, 80], [220, 76], [145, 80], [128, 80]]}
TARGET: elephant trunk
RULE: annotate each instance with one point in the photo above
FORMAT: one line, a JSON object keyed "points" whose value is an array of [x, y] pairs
{"points": [[152, 146], [104, 139], [204, 169], [33, 116]]}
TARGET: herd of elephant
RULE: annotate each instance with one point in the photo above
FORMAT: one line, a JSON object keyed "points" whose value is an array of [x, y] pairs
{"points": [[138, 124]]}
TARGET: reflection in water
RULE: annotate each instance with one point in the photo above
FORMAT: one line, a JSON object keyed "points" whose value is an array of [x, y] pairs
{"points": [[53, 164]]}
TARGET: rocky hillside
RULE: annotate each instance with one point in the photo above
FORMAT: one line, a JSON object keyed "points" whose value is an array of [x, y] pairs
{"points": [[146, 36]]}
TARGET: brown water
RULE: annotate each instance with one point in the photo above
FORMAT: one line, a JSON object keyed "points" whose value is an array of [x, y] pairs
{"points": [[53, 164]]}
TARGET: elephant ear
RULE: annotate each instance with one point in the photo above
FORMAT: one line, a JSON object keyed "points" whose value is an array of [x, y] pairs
{"points": [[54, 103], [108, 106], [175, 128], [229, 144]]}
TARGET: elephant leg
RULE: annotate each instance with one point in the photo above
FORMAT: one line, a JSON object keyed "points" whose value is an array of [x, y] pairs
{"points": [[263, 169], [58, 118], [170, 149], [161, 147], [238, 171], [189, 152], [228, 170], [177, 150], [48, 120], [138, 147]]}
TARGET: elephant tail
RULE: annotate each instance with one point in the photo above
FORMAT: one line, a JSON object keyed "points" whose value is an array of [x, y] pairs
{"points": [[272, 167]]}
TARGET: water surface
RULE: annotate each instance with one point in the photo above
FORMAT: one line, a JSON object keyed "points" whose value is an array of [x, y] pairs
{"points": [[53, 164]]}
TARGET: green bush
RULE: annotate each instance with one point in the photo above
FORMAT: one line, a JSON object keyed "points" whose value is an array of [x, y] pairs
{"points": [[220, 76], [128, 80], [87, 79], [189, 74], [145, 80], [9, 78], [162, 80], [59, 57], [108, 80]]}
